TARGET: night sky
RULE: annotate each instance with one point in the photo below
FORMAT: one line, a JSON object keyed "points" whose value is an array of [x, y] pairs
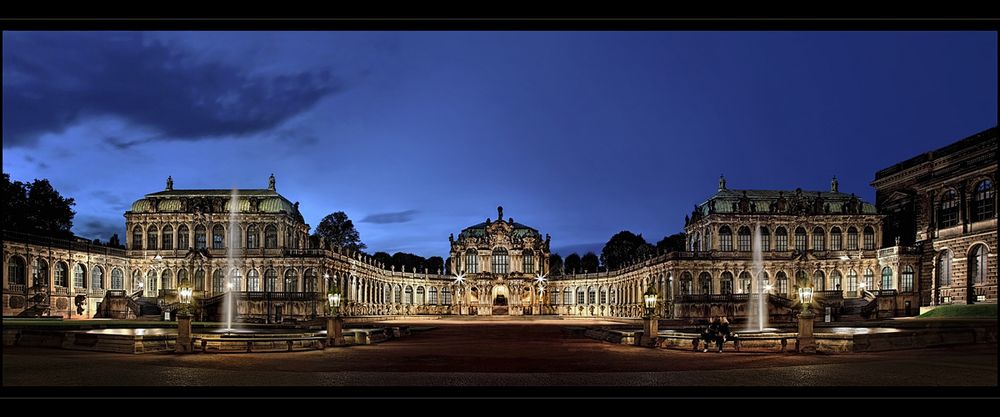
{"points": [[416, 135]]}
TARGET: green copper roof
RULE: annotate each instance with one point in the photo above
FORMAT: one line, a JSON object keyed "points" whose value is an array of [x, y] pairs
{"points": [[728, 201], [268, 201], [479, 230]]}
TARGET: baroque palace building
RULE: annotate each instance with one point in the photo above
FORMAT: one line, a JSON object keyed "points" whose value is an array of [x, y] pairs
{"points": [[930, 239]]}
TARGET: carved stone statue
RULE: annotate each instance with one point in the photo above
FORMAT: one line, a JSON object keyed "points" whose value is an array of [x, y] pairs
{"points": [[499, 213], [170, 183], [834, 185], [270, 183], [722, 182], [451, 238]]}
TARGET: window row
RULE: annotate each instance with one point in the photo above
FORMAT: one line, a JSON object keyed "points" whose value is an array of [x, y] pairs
{"points": [[820, 241], [500, 262], [164, 239], [780, 284], [982, 205], [62, 275]]}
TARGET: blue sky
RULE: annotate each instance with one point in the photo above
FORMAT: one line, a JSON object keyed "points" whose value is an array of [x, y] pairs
{"points": [[416, 135]]}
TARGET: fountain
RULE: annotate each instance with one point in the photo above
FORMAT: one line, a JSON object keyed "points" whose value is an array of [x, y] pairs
{"points": [[229, 304], [757, 307]]}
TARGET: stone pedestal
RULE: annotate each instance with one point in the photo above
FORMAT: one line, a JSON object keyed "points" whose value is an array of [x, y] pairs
{"points": [[807, 343], [183, 344], [335, 331], [650, 329]]}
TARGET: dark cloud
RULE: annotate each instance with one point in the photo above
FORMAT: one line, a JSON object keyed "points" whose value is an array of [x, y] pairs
{"points": [[98, 228], [56, 80], [109, 198], [393, 217], [39, 164]]}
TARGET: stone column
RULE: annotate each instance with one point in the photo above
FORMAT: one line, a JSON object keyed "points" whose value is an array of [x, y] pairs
{"points": [[183, 343], [335, 331], [806, 341], [650, 329]]}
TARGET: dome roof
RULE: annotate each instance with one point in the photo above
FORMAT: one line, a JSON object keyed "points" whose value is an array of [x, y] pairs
{"points": [[479, 230], [174, 201], [728, 201]]}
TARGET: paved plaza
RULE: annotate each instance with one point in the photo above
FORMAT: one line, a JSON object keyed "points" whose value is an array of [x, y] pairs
{"points": [[514, 353]]}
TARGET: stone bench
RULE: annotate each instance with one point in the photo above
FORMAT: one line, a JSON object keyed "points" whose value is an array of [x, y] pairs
{"points": [[250, 341], [680, 339]]}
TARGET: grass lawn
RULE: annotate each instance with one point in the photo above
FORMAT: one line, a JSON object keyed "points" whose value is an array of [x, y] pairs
{"points": [[962, 311]]}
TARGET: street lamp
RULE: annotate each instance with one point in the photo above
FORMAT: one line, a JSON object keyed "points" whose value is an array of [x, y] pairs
{"points": [[807, 343], [650, 319], [334, 321], [184, 341]]}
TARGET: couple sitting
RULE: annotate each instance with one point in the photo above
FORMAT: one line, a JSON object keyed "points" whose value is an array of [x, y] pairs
{"points": [[718, 331]]}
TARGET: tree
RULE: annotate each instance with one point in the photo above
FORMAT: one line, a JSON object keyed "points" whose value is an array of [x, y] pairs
{"points": [[434, 264], [572, 263], [384, 258], [624, 247], [589, 262], [36, 208], [340, 231], [555, 264], [672, 243], [115, 242]]}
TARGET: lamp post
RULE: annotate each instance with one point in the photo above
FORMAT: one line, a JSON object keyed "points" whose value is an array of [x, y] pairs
{"points": [[334, 321], [183, 343], [459, 286], [540, 280], [650, 320], [807, 343]]}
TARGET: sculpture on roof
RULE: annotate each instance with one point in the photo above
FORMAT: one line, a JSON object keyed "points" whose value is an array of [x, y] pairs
{"points": [[270, 183]]}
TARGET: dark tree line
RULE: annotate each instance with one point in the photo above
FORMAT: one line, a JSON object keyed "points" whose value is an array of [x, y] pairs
{"points": [[400, 259], [622, 249], [36, 208]]}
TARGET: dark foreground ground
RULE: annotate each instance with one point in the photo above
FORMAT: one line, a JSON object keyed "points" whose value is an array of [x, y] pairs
{"points": [[495, 353]]}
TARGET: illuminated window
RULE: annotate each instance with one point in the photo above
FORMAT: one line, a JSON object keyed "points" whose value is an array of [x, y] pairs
{"points": [[948, 209], [218, 282], [500, 261], [852, 280], [199, 237], [835, 239], [800, 239], [472, 261], [16, 273], [168, 238], [60, 275], [782, 283], [725, 239], [887, 278], [270, 237], [982, 201], [743, 240], [253, 238], [818, 239], [137, 237], [253, 280], [726, 283], [117, 279], [907, 279], [291, 281], [218, 237], [151, 286], [152, 237], [167, 280], [183, 241], [869, 238], [819, 280], [79, 276], [745, 283], [781, 239], [852, 238], [836, 280], [199, 280], [869, 279], [944, 268], [765, 239], [39, 273], [977, 265], [529, 262]]}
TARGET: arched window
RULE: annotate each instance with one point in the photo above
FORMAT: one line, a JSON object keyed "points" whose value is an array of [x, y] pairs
{"points": [[39, 273], [168, 238], [529, 262], [725, 238], [117, 279], [500, 261], [579, 296], [763, 280], [782, 280], [819, 241], [745, 279], [948, 209], [780, 239], [801, 279], [270, 280], [726, 283], [199, 280], [218, 237], [604, 295], [836, 280], [218, 282], [977, 265], [291, 281], [743, 239], [554, 296], [235, 280], [79, 276], [696, 242], [869, 238], [270, 237], [137, 238], [686, 283], [199, 237], [253, 238], [16, 274], [982, 201], [167, 280], [397, 295], [60, 275], [765, 239], [568, 296], [591, 295], [409, 294], [311, 281], [151, 284], [906, 278], [705, 283], [800, 239], [152, 237], [869, 279], [835, 239], [432, 296], [253, 280], [471, 261], [944, 268], [183, 241], [819, 280], [852, 238], [887, 278], [182, 278], [235, 237], [97, 278], [852, 280], [446, 296]]}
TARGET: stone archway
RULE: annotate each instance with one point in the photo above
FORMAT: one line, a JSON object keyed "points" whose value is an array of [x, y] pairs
{"points": [[500, 297]]}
